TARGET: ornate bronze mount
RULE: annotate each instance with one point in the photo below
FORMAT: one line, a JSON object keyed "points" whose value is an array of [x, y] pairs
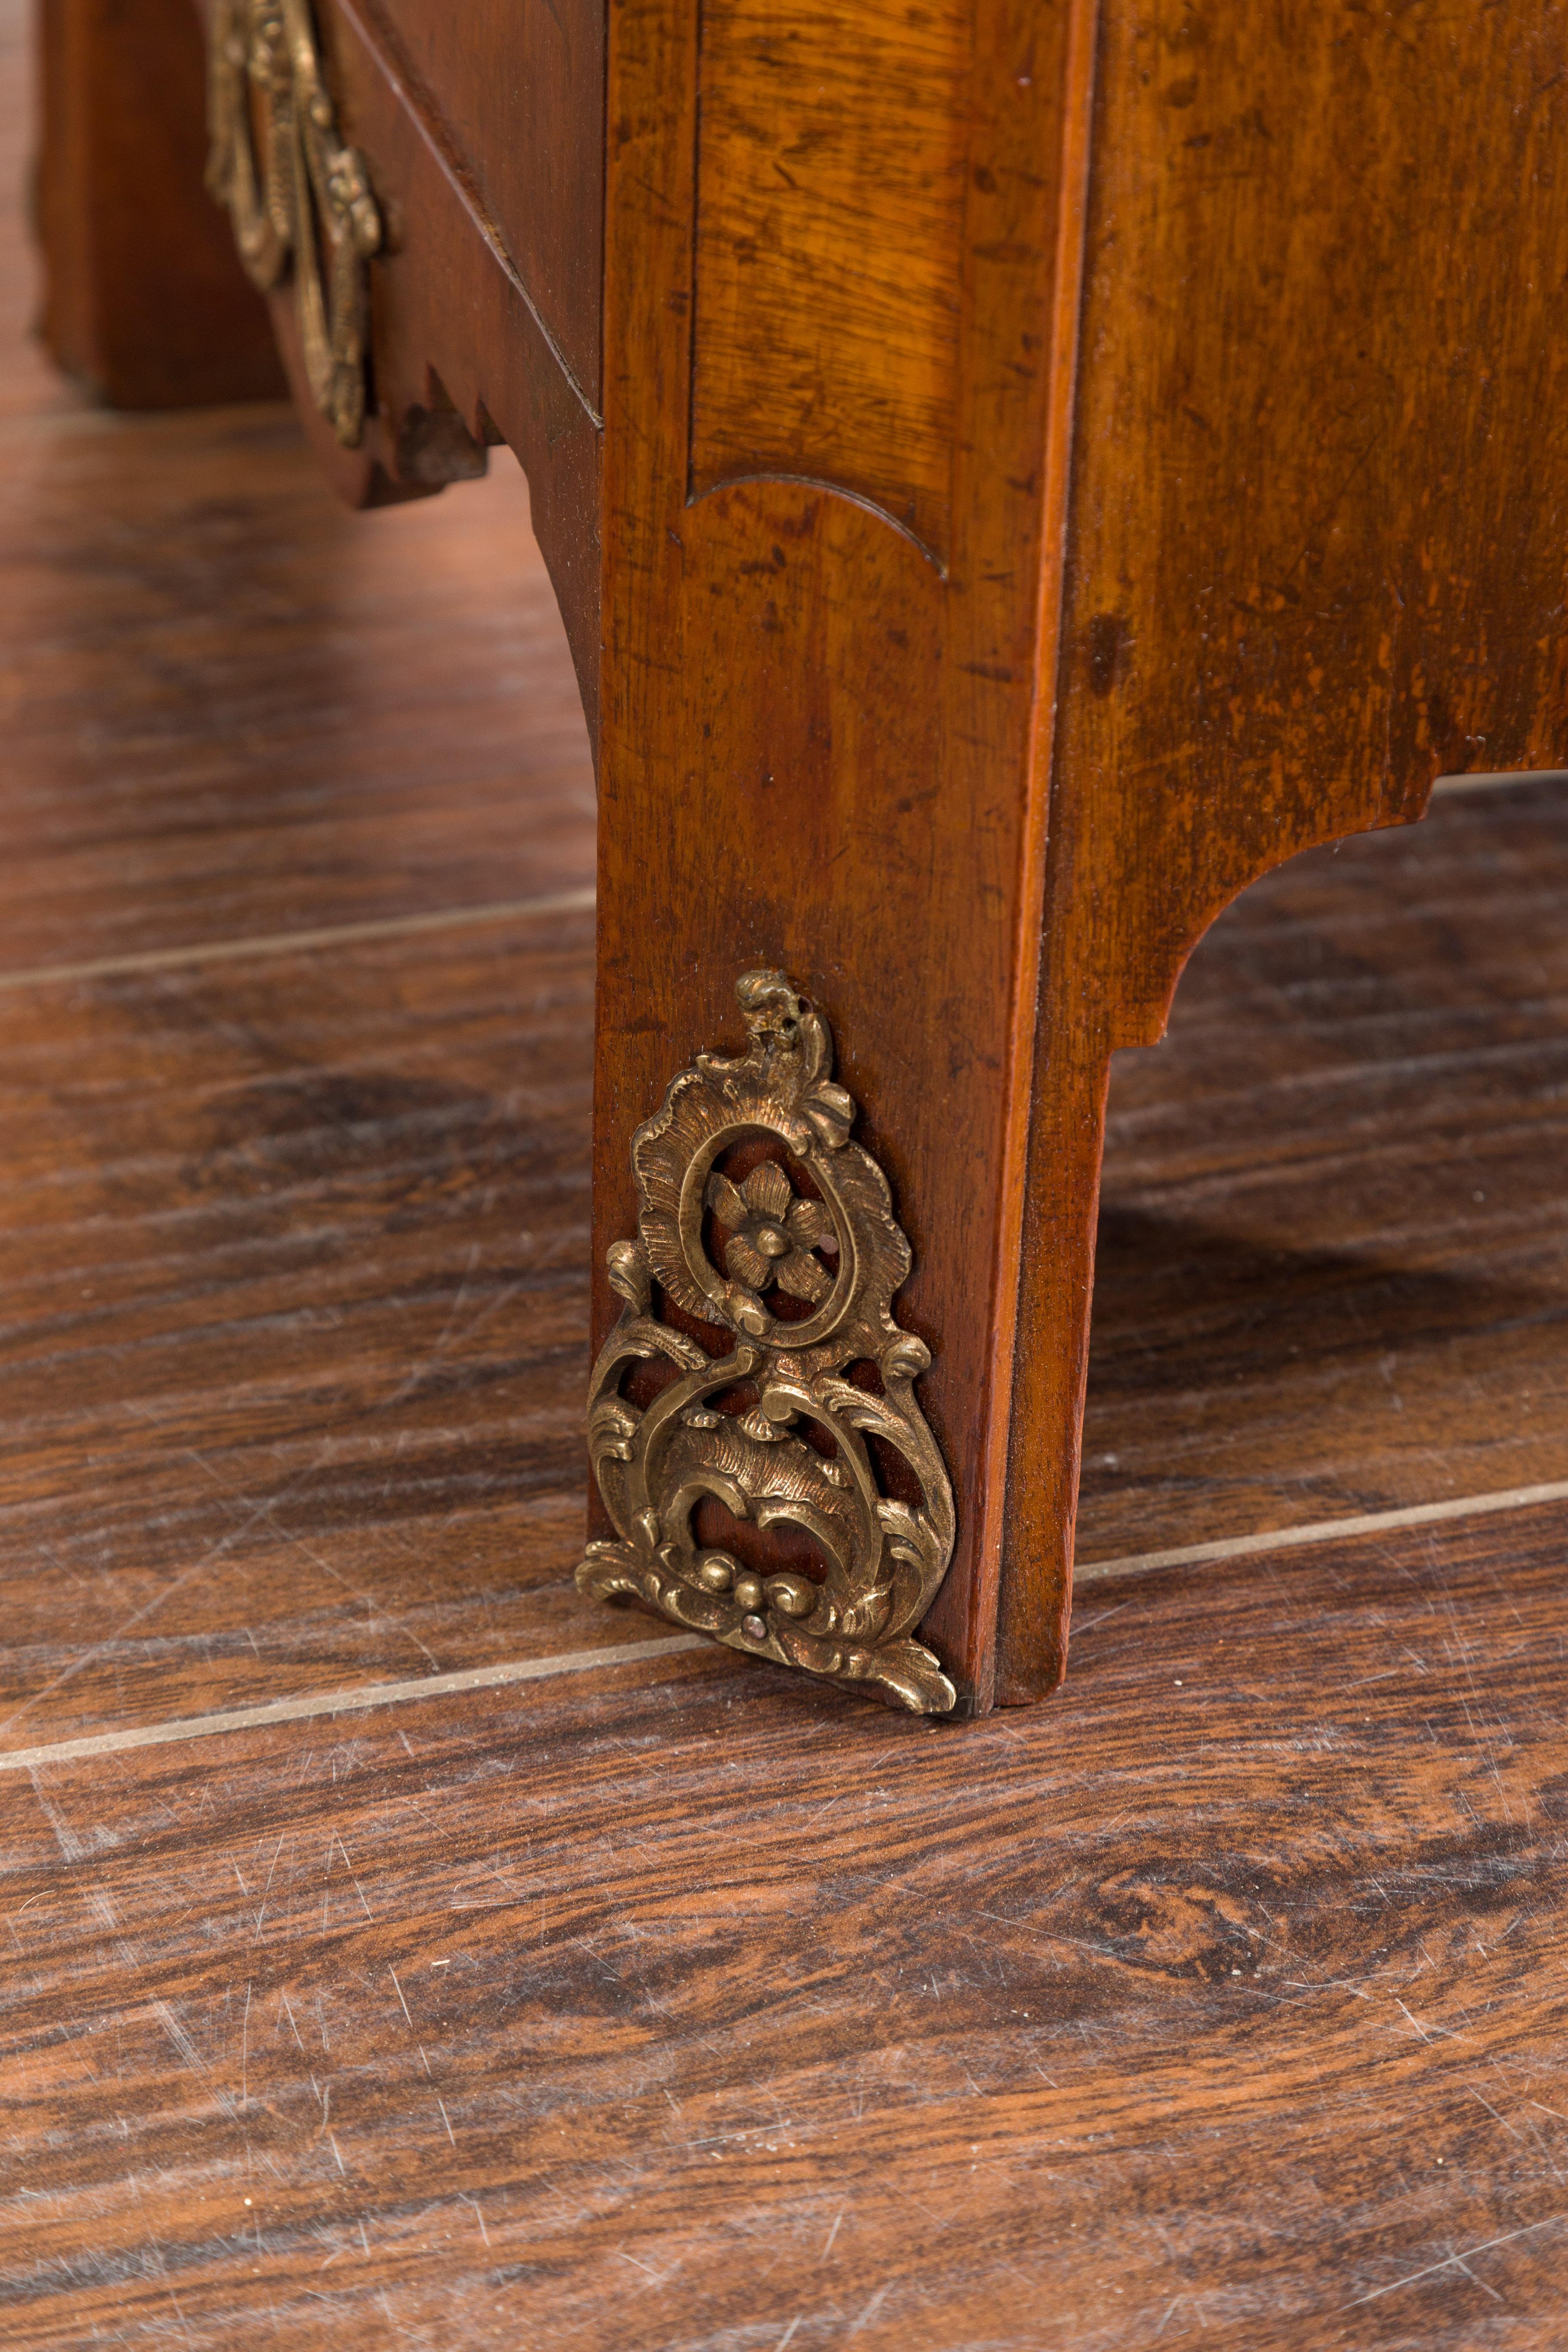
{"points": [[798, 1261], [309, 209]]}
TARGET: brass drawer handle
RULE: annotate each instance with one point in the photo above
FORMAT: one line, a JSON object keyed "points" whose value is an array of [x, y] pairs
{"points": [[308, 205]]}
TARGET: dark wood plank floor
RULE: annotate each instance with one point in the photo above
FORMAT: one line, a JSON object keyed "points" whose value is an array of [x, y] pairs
{"points": [[1226, 2004], [663, 2002], [1334, 1199], [294, 1256]]}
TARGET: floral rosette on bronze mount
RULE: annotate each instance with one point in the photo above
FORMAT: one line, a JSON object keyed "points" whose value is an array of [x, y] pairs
{"points": [[797, 1259]]}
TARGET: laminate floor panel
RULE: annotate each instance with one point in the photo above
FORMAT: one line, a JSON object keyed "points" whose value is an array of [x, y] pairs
{"points": [[1224, 2002], [293, 1256]]}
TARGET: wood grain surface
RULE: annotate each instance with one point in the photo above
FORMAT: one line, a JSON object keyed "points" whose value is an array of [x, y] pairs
{"points": [[934, 636], [232, 707], [294, 1253], [1222, 2002], [1308, 560], [1314, 554], [30, 385], [816, 749], [514, 96], [831, 234], [1332, 1271], [681, 2004], [145, 303], [449, 300], [361, 1170]]}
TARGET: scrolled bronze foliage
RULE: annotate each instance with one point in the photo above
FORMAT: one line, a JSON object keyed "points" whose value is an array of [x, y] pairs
{"points": [[803, 1454], [305, 210]]}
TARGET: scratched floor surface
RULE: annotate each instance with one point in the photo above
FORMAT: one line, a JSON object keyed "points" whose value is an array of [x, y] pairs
{"points": [[640, 1997]]}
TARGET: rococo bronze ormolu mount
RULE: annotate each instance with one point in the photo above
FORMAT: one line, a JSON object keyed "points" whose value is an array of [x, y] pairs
{"points": [[304, 209], [798, 1260]]}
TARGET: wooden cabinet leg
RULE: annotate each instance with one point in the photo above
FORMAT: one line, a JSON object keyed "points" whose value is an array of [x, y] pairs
{"points": [[828, 644], [145, 301]]}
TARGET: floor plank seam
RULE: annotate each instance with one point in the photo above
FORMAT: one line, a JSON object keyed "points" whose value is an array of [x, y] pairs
{"points": [[1322, 1531], [283, 943], [573, 1662], [344, 1701]]}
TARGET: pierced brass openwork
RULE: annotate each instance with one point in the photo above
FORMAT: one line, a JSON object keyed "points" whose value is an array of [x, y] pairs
{"points": [[308, 210], [808, 1418]]}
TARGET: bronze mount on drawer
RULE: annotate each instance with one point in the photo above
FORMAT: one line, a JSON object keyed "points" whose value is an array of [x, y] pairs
{"points": [[305, 209]]}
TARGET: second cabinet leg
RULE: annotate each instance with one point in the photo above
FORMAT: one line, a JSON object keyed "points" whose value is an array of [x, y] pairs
{"points": [[145, 301]]}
